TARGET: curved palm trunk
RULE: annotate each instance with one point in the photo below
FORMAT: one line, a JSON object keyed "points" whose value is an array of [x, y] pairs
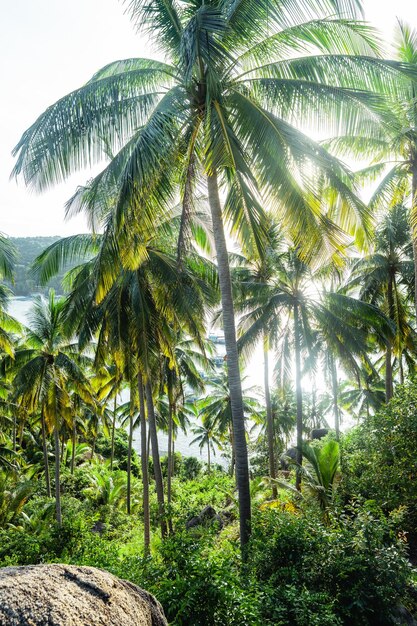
{"points": [[299, 397], [74, 442], [45, 455], [233, 373], [389, 387], [144, 465], [269, 418], [62, 447], [155, 456], [14, 432], [335, 401], [169, 468], [314, 416], [388, 374], [401, 368], [113, 428], [414, 223], [57, 472], [129, 459], [208, 457], [148, 445]]}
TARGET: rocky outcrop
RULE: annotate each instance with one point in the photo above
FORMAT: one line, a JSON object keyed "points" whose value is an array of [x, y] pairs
{"points": [[66, 595], [207, 516]]}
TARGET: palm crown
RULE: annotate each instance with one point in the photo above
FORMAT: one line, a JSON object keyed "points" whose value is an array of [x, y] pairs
{"points": [[224, 103]]}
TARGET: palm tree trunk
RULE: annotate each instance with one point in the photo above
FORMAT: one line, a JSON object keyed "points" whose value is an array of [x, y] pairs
{"points": [[129, 457], [45, 455], [148, 445], [74, 441], [57, 474], [62, 447], [144, 465], [232, 445], [233, 373], [299, 397], [414, 224], [315, 420], [14, 432], [208, 456], [335, 401], [269, 419], [389, 388], [401, 368], [156, 460], [169, 468], [388, 373], [113, 428]]}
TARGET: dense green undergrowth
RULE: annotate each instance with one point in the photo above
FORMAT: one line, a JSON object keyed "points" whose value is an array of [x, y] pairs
{"points": [[300, 570], [347, 564]]}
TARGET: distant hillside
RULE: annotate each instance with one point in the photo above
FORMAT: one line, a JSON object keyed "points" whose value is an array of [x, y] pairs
{"points": [[28, 248]]}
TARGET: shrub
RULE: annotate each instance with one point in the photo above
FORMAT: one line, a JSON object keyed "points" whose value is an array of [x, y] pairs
{"points": [[379, 458], [351, 572], [191, 468]]}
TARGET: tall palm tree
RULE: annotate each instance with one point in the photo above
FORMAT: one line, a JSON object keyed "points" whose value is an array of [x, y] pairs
{"points": [[176, 373], [45, 372], [205, 436], [224, 106], [109, 382], [249, 280], [132, 310], [338, 321], [8, 325], [360, 400], [392, 146], [215, 411], [384, 278]]}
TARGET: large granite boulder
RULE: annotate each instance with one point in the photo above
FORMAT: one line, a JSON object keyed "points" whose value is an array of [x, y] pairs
{"points": [[66, 595]]}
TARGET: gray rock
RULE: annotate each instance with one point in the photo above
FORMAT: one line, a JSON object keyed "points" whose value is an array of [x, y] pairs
{"points": [[66, 595], [319, 433], [193, 522], [207, 516], [288, 457]]}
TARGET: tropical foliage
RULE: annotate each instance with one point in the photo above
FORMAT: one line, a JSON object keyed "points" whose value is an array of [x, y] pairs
{"points": [[228, 247]]}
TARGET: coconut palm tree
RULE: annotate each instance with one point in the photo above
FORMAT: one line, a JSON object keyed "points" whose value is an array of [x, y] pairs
{"points": [[180, 372], [205, 435], [215, 411], [224, 106], [132, 310], [360, 400], [307, 319], [249, 279], [392, 146], [14, 494], [109, 381], [384, 278], [8, 325], [45, 372]]}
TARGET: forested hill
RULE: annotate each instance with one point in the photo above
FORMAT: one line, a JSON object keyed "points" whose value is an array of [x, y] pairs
{"points": [[28, 248]]}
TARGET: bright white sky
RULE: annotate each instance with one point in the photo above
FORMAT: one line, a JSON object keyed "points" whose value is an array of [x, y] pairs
{"points": [[50, 47]]}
